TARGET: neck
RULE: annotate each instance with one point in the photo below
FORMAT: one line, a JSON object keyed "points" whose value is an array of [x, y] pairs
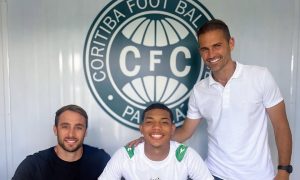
{"points": [[225, 74], [156, 153], [68, 156]]}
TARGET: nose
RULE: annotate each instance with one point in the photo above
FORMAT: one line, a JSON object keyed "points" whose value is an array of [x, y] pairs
{"points": [[71, 132], [156, 125], [210, 53]]}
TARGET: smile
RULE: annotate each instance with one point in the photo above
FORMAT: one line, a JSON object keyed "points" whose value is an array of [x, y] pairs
{"points": [[214, 60], [70, 141], [156, 136]]}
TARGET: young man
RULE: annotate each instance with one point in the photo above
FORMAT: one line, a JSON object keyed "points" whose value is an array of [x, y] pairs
{"points": [[158, 158], [70, 159], [236, 100]]}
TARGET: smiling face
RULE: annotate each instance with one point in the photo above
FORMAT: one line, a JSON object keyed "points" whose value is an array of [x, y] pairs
{"points": [[70, 131], [157, 129], [215, 50]]}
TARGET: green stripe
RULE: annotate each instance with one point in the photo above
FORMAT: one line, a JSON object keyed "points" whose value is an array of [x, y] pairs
{"points": [[130, 151], [180, 152]]}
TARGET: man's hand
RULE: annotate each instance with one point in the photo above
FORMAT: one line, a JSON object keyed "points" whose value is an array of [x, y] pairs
{"points": [[136, 142]]}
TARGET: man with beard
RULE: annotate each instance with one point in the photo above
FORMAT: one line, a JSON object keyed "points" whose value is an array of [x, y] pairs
{"points": [[70, 159]]}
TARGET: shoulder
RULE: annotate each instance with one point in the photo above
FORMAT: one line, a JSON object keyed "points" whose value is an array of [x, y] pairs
{"points": [[183, 150], [200, 87], [32, 164], [253, 70], [94, 152], [121, 156], [256, 76], [46, 152], [180, 150], [42, 155], [131, 152], [202, 83], [90, 149]]}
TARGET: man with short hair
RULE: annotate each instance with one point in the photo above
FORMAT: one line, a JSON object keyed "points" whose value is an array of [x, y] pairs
{"points": [[70, 159], [158, 158], [237, 100]]}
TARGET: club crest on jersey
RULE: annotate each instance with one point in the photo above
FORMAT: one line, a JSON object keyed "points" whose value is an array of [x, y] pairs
{"points": [[138, 52]]}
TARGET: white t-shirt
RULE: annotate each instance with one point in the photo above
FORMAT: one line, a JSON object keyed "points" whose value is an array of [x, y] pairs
{"points": [[237, 122], [139, 167]]}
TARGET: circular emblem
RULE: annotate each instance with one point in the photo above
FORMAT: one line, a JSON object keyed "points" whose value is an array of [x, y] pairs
{"points": [[138, 52]]}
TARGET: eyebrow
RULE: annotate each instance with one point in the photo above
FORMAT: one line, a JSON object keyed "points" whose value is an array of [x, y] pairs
{"points": [[163, 118], [148, 117], [218, 43], [203, 48], [65, 123], [80, 125]]}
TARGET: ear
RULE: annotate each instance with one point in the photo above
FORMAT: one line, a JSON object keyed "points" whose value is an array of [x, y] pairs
{"points": [[231, 43], [141, 129], [173, 129], [55, 130]]}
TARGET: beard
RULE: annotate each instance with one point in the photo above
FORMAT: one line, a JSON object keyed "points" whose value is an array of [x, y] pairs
{"points": [[67, 148]]}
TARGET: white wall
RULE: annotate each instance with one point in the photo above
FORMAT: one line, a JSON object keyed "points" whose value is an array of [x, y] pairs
{"points": [[294, 108], [4, 118], [41, 69]]}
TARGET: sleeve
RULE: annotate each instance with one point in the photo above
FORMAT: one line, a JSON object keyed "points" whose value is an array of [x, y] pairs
{"points": [[25, 171], [197, 169], [193, 112], [271, 92], [113, 169]]}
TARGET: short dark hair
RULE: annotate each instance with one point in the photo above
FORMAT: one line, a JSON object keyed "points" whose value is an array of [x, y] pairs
{"points": [[71, 107], [214, 24], [157, 106]]}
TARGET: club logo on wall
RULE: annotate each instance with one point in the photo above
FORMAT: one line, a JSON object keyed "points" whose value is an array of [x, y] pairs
{"points": [[138, 52]]}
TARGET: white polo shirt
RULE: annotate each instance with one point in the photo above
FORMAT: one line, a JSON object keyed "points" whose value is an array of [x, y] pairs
{"points": [[237, 122], [137, 166]]}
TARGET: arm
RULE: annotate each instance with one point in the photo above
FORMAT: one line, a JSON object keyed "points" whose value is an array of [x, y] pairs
{"points": [[186, 130], [283, 136]]}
